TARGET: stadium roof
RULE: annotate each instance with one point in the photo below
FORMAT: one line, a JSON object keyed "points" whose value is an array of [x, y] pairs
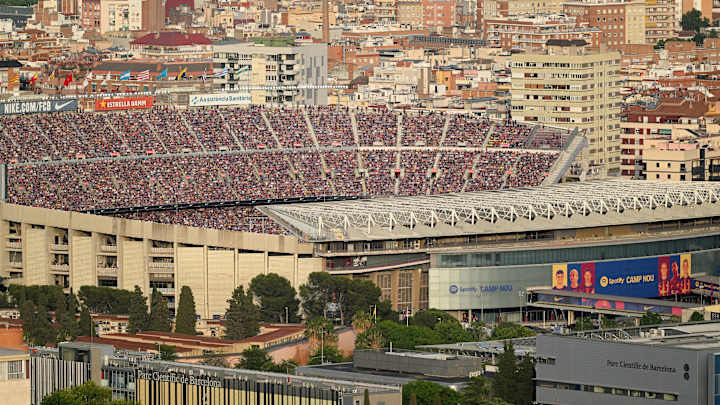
{"points": [[556, 206]]}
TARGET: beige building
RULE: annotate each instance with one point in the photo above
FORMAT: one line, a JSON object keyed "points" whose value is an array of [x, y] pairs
{"points": [[131, 15], [682, 161], [385, 11], [660, 20], [72, 249], [489, 9], [273, 69], [14, 377], [410, 12], [571, 86]]}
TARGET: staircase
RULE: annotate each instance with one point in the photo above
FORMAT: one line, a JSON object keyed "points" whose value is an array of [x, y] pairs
{"points": [[154, 133], [192, 132], [487, 136], [270, 128], [445, 130], [353, 121], [574, 147], [231, 132], [473, 168], [313, 136], [398, 141]]}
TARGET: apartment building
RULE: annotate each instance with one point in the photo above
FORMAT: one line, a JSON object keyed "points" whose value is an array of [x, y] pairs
{"points": [[645, 126], [683, 160], [70, 249], [90, 15], [487, 9], [572, 86], [131, 15], [386, 11], [660, 20], [438, 14], [410, 12], [14, 376], [531, 32], [620, 22], [278, 66]]}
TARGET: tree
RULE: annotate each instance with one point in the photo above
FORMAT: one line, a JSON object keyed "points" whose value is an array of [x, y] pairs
{"points": [[366, 397], [504, 383], [86, 394], [139, 319], [350, 295], [255, 358], [167, 353], [362, 322], [69, 326], [694, 21], [436, 399], [209, 359], [408, 337], [328, 354], [424, 392], [159, 313], [275, 293], [650, 318], [452, 331], [105, 300], [370, 339], [242, 317], [584, 323], [697, 317], [320, 331], [509, 330], [430, 317], [39, 327], [27, 315], [476, 392], [608, 323], [86, 324], [525, 382], [186, 315]]}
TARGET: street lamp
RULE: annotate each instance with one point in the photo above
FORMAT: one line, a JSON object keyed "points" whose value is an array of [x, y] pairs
{"points": [[521, 294], [286, 315]]}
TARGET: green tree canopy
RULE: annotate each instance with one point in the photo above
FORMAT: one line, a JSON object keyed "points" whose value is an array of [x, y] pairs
{"points": [[429, 317], [186, 314], [504, 384], [509, 330], [425, 391], [242, 317], [167, 353], [275, 293], [159, 313], [86, 394], [694, 21], [139, 319], [651, 318], [329, 354], [255, 358], [67, 318], [350, 295], [476, 392], [697, 317], [105, 300], [86, 325]]}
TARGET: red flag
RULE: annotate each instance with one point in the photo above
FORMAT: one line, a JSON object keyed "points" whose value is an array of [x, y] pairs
{"points": [[33, 79], [68, 80]]}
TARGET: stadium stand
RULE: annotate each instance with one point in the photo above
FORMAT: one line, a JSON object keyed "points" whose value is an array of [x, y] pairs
{"points": [[134, 160]]}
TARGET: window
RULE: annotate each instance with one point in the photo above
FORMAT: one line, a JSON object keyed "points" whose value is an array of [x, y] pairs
{"points": [[15, 370], [405, 292]]}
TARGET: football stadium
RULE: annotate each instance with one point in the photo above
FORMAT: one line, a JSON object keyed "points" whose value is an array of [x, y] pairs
{"points": [[439, 209]]}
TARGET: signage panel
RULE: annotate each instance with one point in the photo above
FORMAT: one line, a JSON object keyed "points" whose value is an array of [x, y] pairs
{"points": [[214, 99], [645, 278], [125, 103], [39, 106]]}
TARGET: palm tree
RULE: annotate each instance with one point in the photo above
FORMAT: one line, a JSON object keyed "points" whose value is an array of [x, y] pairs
{"points": [[362, 322]]}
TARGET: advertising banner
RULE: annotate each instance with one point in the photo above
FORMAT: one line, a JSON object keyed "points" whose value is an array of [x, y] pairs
{"points": [[125, 103], [213, 99], [40, 106], [668, 309], [651, 277]]}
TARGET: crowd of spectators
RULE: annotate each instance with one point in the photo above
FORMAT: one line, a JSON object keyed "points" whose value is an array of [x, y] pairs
{"points": [[333, 126], [246, 219], [290, 127], [452, 170], [466, 130], [423, 128], [509, 134], [377, 127], [416, 165], [531, 169], [230, 165]]}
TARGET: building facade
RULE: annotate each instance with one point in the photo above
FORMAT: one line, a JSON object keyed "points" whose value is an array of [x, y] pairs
{"points": [[140, 378], [274, 75], [620, 22], [14, 376], [570, 86], [72, 249], [531, 33]]}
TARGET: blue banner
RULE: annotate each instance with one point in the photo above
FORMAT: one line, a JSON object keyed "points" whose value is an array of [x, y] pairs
{"points": [[644, 278]]}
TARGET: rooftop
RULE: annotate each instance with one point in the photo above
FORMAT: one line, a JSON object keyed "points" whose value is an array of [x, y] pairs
{"points": [[556, 206]]}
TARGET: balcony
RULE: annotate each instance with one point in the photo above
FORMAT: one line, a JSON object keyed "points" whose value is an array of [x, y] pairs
{"points": [[64, 268], [162, 251], [108, 248], [166, 291], [107, 271], [16, 265], [59, 247], [161, 265]]}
